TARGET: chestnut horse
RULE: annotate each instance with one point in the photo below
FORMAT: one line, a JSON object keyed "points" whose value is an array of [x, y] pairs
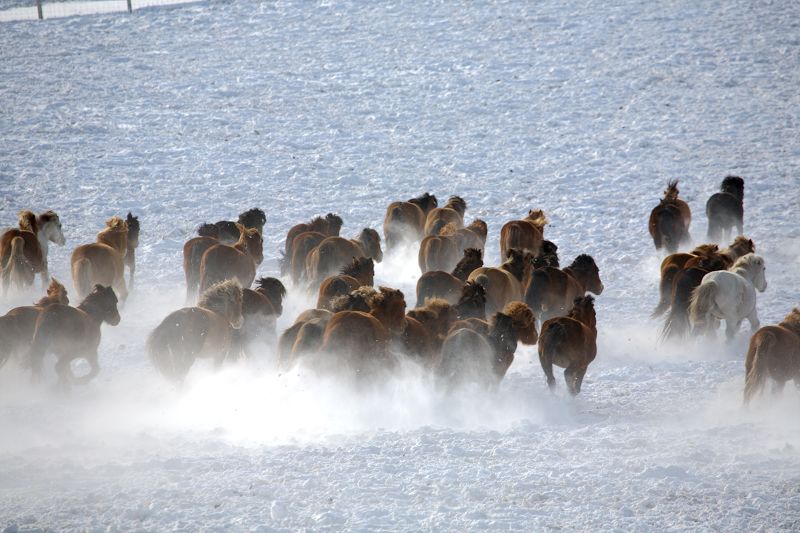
{"points": [[725, 209], [551, 290], [669, 220], [406, 220], [426, 330], [303, 337], [73, 333], [451, 213], [473, 236], [193, 251], [203, 331], [102, 262], [329, 226], [571, 343], [36, 231], [301, 247], [361, 271], [133, 243], [17, 326], [228, 232], [261, 307], [525, 235], [441, 251], [239, 261], [506, 283], [334, 253], [472, 303], [674, 263], [774, 352], [440, 284]]}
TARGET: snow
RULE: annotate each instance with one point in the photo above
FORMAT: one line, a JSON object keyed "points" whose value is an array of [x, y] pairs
{"points": [[195, 113]]}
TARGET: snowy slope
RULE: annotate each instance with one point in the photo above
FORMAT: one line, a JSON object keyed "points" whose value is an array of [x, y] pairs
{"points": [[194, 113]]}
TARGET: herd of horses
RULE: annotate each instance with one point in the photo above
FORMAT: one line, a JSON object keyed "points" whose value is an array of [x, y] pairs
{"points": [[468, 317]]}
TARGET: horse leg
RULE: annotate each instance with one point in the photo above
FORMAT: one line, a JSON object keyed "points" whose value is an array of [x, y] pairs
{"points": [[579, 373], [777, 387], [731, 327], [94, 369], [547, 366], [573, 376], [64, 372], [753, 319], [133, 274]]}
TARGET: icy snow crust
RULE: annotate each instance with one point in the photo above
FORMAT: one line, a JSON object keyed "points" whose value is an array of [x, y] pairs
{"points": [[192, 114]]}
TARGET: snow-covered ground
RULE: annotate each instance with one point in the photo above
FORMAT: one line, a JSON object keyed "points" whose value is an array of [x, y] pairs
{"points": [[585, 109]]}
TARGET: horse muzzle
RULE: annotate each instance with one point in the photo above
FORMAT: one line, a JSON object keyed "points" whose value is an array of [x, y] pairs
{"points": [[238, 323]]}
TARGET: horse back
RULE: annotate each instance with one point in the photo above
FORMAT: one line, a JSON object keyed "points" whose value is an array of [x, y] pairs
{"points": [[724, 205], [65, 329], [32, 250], [221, 262]]}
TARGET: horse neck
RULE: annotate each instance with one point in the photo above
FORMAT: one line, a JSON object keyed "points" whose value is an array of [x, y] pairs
{"points": [[577, 275], [747, 272], [44, 243], [387, 320], [92, 312], [514, 270], [585, 319], [791, 325]]}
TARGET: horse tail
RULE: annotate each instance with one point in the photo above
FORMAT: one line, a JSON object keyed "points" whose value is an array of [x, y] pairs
{"points": [[665, 290], [671, 228], [755, 375], [513, 239], [14, 269], [163, 356], [534, 296], [82, 277], [700, 304]]}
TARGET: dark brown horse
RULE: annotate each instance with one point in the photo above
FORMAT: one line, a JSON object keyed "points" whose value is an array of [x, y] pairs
{"points": [[669, 220], [551, 291], [451, 213], [228, 232], [472, 303], [334, 253], [571, 343], [73, 333], [17, 326], [102, 262], [261, 307], [725, 209], [193, 332], [133, 242], [329, 226], [525, 235], [774, 352], [706, 253], [505, 283], [440, 284], [360, 272], [239, 261], [406, 220], [548, 255], [441, 251]]}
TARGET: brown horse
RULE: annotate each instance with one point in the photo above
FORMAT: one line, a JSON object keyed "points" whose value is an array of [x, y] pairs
{"points": [[706, 253], [193, 252], [473, 236], [17, 326], [193, 332], [472, 356], [571, 343], [551, 290], [239, 261], [46, 227], [301, 247], [669, 220], [522, 316], [360, 272], [73, 333], [406, 220], [439, 252], [725, 209], [548, 255], [451, 213], [303, 337], [440, 284], [428, 327], [102, 262], [261, 307], [334, 253], [133, 243], [228, 232], [525, 235], [472, 303], [774, 352], [506, 283], [329, 226]]}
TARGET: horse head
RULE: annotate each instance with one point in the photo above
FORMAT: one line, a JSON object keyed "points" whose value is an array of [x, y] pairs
{"points": [[583, 311], [101, 304], [50, 226], [133, 230], [371, 243]]}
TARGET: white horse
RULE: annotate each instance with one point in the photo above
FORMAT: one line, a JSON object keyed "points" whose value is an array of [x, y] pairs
{"points": [[730, 295], [47, 227]]}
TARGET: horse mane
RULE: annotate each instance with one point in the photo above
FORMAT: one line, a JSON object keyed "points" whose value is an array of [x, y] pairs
{"points": [[133, 223], [502, 334], [537, 218], [208, 230], [334, 221], [519, 313], [746, 262], [369, 234], [253, 217], [217, 297], [46, 217], [456, 203], [733, 185], [272, 286], [448, 230], [115, 223], [580, 303], [357, 300], [472, 256], [56, 294], [423, 199], [671, 193], [480, 227], [583, 262], [27, 221], [96, 303], [356, 267], [792, 321], [705, 249]]}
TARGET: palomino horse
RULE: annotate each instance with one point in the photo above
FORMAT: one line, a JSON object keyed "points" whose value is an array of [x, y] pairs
{"points": [[334, 253], [228, 232], [193, 332], [451, 213], [329, 226], [725, 209], [669, 220], [357, 274], [506, 283], [774, 352], [551, 290], [17, 326], [571, 343], [441, 251], [238, 261], [133, 243], [730, 295], [102, 262], [73, 333], [440, 284], [406, 220], [705, 253], [525, 234], [37, 231]]}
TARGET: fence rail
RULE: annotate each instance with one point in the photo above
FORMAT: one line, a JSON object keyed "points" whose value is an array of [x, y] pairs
{"points": [[32, 9]]}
